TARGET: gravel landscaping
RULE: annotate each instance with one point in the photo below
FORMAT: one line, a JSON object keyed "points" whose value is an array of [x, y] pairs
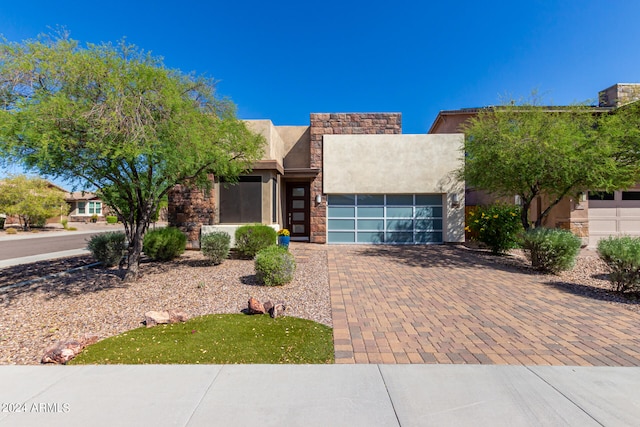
{"points": [[96, 302]]}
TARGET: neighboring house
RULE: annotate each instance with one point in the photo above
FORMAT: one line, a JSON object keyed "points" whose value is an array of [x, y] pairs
{"points": [[346, 178], [84, 205], [591, 216]]}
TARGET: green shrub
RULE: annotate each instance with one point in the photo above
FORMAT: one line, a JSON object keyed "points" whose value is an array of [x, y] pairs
{"points": [[250, 239], [498, 226], [164, 244], [38, 222], [111, 219], [275, 265], [108, 248], [622, 255], [65, 223], [215, 246], [551, 250], [11, 230], [2, 219], [94, 218]]}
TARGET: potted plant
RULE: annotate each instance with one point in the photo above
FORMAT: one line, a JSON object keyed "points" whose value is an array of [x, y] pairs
{"points": [[284, 238]]}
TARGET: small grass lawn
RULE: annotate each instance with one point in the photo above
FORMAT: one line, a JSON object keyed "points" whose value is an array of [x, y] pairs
{"points": [[217, 339]]}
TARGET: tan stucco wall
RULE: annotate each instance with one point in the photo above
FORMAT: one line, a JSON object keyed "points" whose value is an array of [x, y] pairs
{"points": [[297, 140], [275, 146], [400, 164]]}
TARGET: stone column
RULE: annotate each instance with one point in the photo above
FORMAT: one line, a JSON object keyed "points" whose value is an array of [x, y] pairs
{"points": [[340, 124]]}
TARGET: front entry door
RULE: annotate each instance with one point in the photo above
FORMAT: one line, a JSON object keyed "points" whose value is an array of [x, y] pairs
{"points": [[298, 210]]}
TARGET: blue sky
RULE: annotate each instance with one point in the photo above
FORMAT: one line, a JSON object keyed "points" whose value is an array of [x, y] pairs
{"points": [[283, 60]]}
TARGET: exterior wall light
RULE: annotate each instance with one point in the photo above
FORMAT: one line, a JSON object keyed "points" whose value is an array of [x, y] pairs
{"points": [[455, 201], [318, 199]]}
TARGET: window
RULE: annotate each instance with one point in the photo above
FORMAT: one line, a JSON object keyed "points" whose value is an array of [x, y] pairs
{"points": [[274, 201], [81, 208], [241, 203], [95, 208], [631, 195], [601, 195]]}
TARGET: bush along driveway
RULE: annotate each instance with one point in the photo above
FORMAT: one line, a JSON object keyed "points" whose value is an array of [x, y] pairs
{"points": [[442, 304]]}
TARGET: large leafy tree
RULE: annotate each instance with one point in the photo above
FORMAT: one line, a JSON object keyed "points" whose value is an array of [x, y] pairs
{"points": [[113, 118], [529, 150], [33, 200]]}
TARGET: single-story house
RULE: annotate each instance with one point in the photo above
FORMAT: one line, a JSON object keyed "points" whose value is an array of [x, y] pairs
{"points": [[593, 215], [348, 178], [83, 205]]}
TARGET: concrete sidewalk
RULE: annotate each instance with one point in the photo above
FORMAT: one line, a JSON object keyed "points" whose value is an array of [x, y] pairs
{"points": [[318, 395]]}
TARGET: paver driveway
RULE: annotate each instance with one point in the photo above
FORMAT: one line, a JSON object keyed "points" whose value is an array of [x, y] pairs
{"points": [[443, 304]]}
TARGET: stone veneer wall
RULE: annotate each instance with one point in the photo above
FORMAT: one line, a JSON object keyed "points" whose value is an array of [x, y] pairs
{"points": [[340, 124], [189, 209]]}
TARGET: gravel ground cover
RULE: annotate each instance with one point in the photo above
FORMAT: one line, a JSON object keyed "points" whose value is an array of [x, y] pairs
{"points": [[96, 302], [36, 270]]}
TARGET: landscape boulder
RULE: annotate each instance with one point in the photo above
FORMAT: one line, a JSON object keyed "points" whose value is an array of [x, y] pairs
{"points": [[277, 310], [63, 351], [153, 318], [255, 307]]}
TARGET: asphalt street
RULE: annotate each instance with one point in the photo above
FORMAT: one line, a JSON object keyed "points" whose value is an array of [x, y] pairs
{"points": [[19, 248]]}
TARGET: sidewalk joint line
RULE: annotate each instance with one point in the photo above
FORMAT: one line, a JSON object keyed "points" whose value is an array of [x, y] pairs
{"points": [[395, 413], [203, 395], [565, 396]]}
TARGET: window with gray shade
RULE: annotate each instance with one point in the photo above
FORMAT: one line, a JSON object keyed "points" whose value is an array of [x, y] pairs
{"points": [[241, 202]]}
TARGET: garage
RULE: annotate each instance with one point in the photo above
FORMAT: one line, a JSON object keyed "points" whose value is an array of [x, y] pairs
{"points": [[613, 214], [385, 218]]}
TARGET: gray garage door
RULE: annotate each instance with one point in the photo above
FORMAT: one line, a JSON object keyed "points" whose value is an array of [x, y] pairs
{"points": [[385, 218]]}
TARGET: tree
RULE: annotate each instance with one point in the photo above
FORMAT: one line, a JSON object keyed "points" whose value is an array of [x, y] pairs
{"points": [[529, 150], [32, 200], [115, 119]]}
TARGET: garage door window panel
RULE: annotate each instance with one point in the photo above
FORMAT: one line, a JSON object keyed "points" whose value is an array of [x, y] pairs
{"points": [[395, 219]]}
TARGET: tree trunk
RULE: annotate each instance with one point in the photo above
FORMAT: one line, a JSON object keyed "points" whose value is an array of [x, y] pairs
{"points": [[134, 252], [524, 214]]}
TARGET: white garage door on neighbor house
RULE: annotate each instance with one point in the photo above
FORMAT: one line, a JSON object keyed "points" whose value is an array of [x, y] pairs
{"points": [[613, 214], [385, 218]]}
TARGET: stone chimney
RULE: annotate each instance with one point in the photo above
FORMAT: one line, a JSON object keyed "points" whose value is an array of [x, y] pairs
{"points": [[619, 95]]}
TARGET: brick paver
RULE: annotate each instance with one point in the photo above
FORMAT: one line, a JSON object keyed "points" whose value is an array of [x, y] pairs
{"points": [[443, 304]]}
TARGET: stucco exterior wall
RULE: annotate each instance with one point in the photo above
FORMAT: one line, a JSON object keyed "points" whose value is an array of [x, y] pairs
{"points": [[390, 163], [398, 164], [296, 141], [275, 146]]}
